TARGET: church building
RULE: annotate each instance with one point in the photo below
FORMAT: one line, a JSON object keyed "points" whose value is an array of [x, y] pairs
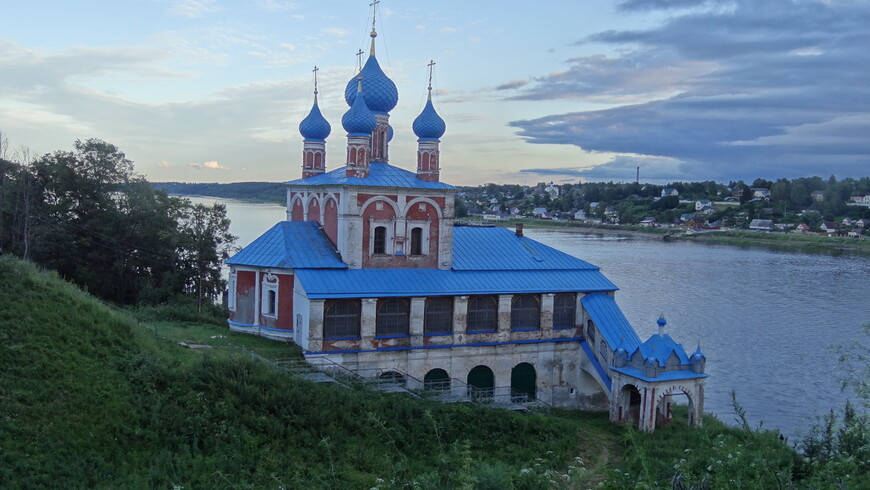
{"points": [[370, 272]]}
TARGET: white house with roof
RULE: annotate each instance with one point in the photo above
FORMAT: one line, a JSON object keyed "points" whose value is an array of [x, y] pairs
{"points": [[370, 272]]}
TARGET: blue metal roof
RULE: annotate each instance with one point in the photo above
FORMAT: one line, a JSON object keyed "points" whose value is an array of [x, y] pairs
{"points": [[662, 376], [661, 347], [380, 175], [369, 283], [482, 249], [611, 322], [290, 245]]}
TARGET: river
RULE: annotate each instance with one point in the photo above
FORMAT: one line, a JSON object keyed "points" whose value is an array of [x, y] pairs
{"points": [[766, 321]]}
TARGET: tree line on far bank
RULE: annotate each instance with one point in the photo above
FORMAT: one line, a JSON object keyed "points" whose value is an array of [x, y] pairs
{"points": [[788, 200], [88, 216]]}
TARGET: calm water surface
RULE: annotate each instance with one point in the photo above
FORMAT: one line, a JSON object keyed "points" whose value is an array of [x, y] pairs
{"points": [[765, 320]]}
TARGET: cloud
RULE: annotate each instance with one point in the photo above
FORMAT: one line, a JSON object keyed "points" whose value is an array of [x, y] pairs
{"points": [[212, 165], [164, 164], [647, 5], [335, 31], [622, 168], [192, 8], [512, 84], [277, 5], [737, 89]]}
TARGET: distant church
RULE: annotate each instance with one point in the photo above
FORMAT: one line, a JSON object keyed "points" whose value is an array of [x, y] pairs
{"points": [[370, 272]]}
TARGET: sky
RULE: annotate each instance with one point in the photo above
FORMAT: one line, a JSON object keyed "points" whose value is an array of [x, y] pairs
{"points": [[561, 91]]}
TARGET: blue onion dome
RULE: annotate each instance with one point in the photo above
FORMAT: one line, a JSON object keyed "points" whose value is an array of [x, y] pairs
{"points": [[314, 126], [661, 321], [429, 124], [389, 133], [359, 119], [381, 93], [651, 360]]}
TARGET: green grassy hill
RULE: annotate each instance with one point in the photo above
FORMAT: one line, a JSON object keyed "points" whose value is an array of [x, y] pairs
{"points": [[91, 399]]}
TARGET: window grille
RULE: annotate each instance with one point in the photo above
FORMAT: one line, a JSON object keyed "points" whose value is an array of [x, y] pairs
{"points": [[438, 317], [417, 241], [482, 314], [393, 317], [341, 318], [564, 310], [380, 240], [525, 312], [604, 352]]}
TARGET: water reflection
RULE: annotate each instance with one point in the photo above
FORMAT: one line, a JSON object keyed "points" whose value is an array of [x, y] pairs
{"points": [[766, 320]]}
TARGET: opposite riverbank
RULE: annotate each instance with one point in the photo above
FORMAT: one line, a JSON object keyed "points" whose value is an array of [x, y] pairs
{"points": [[783, 242]]}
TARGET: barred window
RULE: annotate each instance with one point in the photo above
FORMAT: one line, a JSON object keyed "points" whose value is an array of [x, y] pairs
{"points": [[393, 317], [417, 241], [604, 352], [341, 318], [482, 314], [564, 310], [438, 317], [379, 245], [525, 312]]}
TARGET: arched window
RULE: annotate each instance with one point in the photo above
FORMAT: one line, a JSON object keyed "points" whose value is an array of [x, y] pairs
{"points": [[341, 318], [271, 302], [481, 383], [523, 383], [564, 310], [392, 317], [590, 332], [317, 158], [482, 314], [416, 241], [438, 316], [379, 245], [376, 143], [525, 312], [269, 296], [436, 379]]}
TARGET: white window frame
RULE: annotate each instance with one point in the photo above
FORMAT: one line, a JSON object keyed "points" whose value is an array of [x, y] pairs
{"points": [[231, 291], [424, 236], [389, 238], [269, 284]]}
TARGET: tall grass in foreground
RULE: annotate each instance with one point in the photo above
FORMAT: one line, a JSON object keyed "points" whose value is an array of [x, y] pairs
{"points": [[91, 399]]}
